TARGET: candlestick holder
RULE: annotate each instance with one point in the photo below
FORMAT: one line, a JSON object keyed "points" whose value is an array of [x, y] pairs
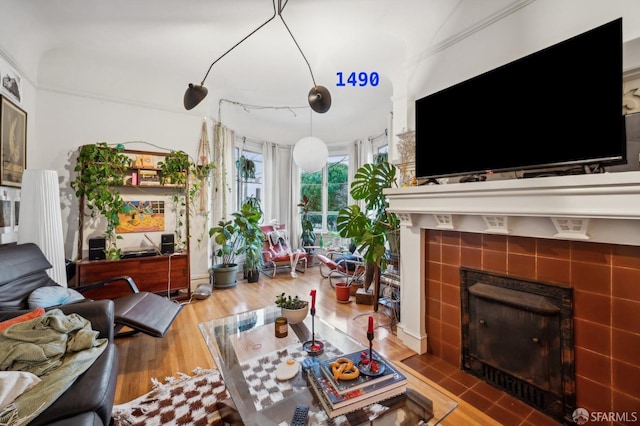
{"points": [[313, 346], [371, 366]]}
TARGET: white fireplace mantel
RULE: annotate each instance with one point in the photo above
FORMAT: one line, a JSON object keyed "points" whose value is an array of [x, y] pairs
{"points": [[596, 207]]}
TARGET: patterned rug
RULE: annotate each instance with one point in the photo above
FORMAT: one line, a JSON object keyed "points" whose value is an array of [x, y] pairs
{"points": [[201, 399]]}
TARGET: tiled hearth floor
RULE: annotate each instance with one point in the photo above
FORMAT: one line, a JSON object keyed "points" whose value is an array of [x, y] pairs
{"points": [[497, 404]]}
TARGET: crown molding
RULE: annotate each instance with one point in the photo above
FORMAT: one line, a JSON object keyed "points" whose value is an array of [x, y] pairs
{"points": [[469, 31]]}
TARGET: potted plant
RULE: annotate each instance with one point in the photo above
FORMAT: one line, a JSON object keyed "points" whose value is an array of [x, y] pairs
{"points": [[251, 214], [293, 308], [226, 236], [308, 236], [230, 237], [246, 168], [370, 228], [100, 168]]}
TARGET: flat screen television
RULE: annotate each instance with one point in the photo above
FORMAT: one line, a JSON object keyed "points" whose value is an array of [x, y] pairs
{"points": [[560, 106]]}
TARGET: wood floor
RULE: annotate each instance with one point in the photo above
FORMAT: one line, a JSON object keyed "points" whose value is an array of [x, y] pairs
{"points": [[183, 349]]}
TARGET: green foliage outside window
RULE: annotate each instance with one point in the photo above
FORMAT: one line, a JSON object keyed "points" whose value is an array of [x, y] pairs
{"points": [[337, 193]]}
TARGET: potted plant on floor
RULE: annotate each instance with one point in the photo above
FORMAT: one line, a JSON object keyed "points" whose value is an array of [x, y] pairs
{"points": [[294, 309], [370, 228], [227, 240], [234, 237], [308, 235], [248, 220]]}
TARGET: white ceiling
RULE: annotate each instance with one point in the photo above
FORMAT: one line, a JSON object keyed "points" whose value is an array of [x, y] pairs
{"points": [[176, 41]]}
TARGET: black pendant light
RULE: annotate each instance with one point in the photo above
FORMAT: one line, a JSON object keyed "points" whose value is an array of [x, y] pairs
{"points": [[194, 95], [319, 97]]}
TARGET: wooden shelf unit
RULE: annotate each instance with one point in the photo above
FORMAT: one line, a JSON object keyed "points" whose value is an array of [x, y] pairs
{"points": [[165, 275], [161, 274]]}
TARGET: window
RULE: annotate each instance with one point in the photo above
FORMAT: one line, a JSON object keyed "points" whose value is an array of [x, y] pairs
{"points": [[248, 175], [382, 153], [328, 192]]}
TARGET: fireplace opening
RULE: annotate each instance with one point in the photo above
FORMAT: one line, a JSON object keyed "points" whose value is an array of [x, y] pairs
{"points": [[517, 335]]}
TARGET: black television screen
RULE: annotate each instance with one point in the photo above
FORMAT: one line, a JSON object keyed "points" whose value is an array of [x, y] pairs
{"points": [[559, 106]]}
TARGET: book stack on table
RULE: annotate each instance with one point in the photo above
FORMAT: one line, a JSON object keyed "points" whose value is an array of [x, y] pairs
{"points": [[344, 396]]}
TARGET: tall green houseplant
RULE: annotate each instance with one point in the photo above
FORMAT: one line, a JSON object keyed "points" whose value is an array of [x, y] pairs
{"points": [[234, 237], [100, 168], [370, 228], [308, 235], [249, 224]]}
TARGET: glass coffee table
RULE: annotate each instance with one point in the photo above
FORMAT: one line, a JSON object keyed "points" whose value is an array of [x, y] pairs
{"points": [[247, 353]]}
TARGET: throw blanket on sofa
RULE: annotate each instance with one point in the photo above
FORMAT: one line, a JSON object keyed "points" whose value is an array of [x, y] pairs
{"points": [[57, 348]]}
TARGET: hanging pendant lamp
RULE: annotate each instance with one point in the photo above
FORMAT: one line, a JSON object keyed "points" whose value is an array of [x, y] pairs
{"points": [[319, 97], [310, 154]]}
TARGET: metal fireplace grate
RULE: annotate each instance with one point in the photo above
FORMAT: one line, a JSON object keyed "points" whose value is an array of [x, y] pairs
{"points": [[522, 390], [517, 335]]}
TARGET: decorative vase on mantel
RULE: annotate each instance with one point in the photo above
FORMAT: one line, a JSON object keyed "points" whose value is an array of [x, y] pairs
{"points": [[407, 156]]}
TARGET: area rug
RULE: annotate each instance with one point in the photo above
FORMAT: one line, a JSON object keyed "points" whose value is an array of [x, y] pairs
{"points": [[201, 399]]}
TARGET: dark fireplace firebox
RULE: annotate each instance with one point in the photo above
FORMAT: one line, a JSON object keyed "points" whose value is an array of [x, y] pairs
{"points": [[518, 336]]}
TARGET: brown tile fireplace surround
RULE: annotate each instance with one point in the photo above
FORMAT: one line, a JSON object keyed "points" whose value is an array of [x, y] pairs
{"points": [[452, 224]]}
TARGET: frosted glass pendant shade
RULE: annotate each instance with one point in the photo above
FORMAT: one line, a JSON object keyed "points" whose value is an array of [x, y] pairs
{"points": [[41, 219], [310, 154]]}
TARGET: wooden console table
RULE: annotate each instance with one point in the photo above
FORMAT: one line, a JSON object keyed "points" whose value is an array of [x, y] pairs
{"points": [[161, 274]]}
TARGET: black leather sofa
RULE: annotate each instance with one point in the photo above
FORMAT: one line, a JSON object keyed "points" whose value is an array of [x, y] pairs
{"points": [[89, 401]]}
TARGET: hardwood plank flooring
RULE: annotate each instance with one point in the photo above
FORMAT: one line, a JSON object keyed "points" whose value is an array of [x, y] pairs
{"points": [[183, 349]]}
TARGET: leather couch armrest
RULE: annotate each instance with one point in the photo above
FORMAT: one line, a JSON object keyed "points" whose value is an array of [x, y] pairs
{"points": [[99, 312]]}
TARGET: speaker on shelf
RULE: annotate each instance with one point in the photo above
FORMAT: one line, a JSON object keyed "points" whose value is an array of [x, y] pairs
{"points": [[167, 244], [97, 246]]}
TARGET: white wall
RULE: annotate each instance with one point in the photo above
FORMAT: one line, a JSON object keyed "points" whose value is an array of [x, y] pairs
{"points": [[525, 30]]}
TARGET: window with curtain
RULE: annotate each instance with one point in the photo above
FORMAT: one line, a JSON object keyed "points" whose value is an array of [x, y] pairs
{"points": [[248, 177], [328, 192]]}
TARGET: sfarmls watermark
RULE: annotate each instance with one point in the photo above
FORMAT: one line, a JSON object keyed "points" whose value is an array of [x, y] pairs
{"points": [[581, 416]]}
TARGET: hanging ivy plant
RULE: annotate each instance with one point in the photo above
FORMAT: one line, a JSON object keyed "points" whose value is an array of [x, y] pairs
{"points": [[174, 170], [99, 169]]}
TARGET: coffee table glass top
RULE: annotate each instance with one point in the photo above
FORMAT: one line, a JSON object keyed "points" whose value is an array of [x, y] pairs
{"points": [[247, 353]]}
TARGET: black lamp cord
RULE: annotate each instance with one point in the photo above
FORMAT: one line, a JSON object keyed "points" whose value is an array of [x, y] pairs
{"points": [[236, 45], [278, 11]]}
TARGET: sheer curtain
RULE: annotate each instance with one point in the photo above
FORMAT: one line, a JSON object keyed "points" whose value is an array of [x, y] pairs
{"points": [[360, 153], [281, 188]]}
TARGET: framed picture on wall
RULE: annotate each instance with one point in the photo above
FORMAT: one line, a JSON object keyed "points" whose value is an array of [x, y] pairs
{"points": [[13, 143]]}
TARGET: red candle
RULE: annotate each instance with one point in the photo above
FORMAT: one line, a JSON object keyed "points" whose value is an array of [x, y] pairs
{"points": [[370, 329], [313, 299]]}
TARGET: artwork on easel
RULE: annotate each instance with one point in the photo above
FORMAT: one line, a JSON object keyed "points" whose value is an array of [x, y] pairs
{"points": [[141, 216]]}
